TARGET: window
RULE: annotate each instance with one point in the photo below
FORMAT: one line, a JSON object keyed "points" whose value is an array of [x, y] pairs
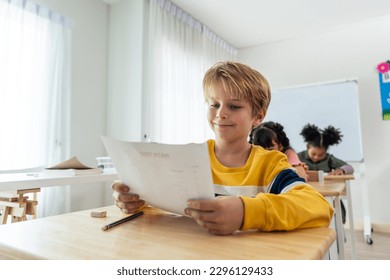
{"points": [[34, 92], [34, 84], [181, 50]]}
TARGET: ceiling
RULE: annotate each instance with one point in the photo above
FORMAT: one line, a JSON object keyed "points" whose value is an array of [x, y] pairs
{"points": [[246, 23]]}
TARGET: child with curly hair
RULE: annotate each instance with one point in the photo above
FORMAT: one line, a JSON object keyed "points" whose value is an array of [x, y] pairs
{"points": [[271, 136], [317, 157]]}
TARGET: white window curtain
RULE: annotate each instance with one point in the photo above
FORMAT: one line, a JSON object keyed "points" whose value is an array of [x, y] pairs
{"points": [[35, 48], [181, 49]]}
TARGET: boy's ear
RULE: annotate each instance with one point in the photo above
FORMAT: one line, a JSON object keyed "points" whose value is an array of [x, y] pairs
{"points": [[256, 123], [258, 120]]}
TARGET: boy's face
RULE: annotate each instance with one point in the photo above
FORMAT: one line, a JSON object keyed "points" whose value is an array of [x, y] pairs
{"points": [[230, 119]]}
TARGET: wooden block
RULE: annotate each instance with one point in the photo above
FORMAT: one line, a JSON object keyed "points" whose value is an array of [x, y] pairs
{"points": [[101, 214]]}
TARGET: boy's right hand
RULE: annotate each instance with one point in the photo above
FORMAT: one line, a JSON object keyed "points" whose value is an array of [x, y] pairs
{"points": [[128, 202]]}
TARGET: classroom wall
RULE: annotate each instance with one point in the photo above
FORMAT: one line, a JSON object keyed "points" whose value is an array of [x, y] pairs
{"points": [[89, 79], [126, 50], [349, 52]]}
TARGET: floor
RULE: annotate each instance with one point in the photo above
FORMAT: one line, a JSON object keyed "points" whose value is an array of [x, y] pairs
{"points": [[379, 250]]}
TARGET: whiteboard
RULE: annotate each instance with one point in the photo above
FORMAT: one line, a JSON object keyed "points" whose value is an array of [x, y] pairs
{"points": [[334, 104]]}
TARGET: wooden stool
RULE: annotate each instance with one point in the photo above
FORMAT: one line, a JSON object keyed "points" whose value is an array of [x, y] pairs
{"points": [[17, 205]]}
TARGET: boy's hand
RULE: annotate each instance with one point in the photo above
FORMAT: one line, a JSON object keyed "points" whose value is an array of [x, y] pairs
{"points": [[128, 202], [223, 215]]}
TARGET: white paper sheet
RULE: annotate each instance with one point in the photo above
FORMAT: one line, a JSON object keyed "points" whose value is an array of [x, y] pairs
{"points": [[165, 176]]}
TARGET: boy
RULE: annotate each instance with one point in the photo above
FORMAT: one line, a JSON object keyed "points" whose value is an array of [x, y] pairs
{"points": [[258, 188]]}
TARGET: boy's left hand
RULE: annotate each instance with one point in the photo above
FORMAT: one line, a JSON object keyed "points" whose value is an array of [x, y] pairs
{"points": [[222, 216]]}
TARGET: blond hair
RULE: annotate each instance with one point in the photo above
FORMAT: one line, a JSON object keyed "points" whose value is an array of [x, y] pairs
{"points": [[240, 82]]}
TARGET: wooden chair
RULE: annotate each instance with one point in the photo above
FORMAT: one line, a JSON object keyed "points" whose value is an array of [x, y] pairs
{"points": [[315, 176], [17, 205], [20, 203]]}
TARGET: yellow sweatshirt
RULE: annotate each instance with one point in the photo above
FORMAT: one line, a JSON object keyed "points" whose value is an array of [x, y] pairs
{"points": [[274, 196]]}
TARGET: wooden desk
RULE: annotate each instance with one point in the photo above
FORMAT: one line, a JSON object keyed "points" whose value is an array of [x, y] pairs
{"points": [[333, 190], [155, 235], [329, 188], [340, 178], [347, 193]]}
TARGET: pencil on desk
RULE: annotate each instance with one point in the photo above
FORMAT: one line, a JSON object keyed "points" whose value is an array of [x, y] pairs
{"points": [[128, 218]]}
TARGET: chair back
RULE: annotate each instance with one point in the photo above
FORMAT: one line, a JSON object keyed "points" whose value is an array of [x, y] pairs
{"points": [[315, 176], [18, 203]]}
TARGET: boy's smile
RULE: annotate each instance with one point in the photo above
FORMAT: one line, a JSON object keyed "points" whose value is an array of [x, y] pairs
{"points": [[230, 118], [221, 125]]}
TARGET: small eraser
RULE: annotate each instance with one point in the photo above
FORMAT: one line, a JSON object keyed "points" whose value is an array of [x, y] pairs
{"points": [[101, 214]]}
